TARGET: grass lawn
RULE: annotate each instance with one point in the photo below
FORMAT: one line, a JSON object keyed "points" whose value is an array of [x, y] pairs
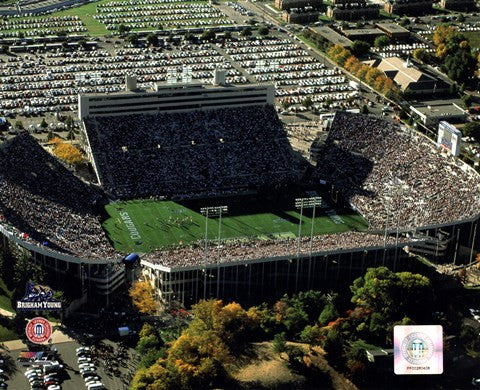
{"points": [[5, 297], [7, 334], [161, 224]]}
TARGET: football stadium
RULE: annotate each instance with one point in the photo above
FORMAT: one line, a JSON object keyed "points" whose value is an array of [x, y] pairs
{"points": [[198, 188]]}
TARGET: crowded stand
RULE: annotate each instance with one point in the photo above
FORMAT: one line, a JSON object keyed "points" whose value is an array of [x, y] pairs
{"points": [[189, 152], [36, 205], [396, 177], [241, 250]]}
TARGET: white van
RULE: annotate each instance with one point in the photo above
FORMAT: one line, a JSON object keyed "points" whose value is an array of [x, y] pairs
{"points": [[96, 386]]}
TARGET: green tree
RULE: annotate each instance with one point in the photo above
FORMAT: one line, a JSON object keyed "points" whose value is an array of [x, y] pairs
{"points": [[360, 48], [189, 37], [307, 102], [122, 29], [311, 334], [365, 109], [329, 313], [152, 40], [208, 35], [421, 55], [382, 41], [467, 100], [132, 39], [44, 124], [472, 129], [148, 342], [19, 125], [246, 32], [279, 343], [404, 22], [263, 31], [227, 35], [460, 65]]}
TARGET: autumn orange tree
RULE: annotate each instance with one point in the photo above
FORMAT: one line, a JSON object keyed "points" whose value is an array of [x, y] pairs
{"points": [[200, 356], [372, 76], [142, 295], [68, 153]]}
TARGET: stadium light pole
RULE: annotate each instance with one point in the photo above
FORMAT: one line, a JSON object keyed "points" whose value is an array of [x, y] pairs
{"points": [[305, 203], [211, 211]]}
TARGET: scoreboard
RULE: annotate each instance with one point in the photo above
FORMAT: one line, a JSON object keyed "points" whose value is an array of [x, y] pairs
{"points": [[449, 137]]}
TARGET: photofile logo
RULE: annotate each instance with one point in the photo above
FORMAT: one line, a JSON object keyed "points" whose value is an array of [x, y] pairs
{"points": [[418, 349]]}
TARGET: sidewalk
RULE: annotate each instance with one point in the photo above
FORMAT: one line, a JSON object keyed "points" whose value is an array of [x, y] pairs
{"points": [[58, 337], [7, 313]]}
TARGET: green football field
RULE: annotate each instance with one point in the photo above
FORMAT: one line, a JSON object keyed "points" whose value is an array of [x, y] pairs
{"points": [[146, 225]]}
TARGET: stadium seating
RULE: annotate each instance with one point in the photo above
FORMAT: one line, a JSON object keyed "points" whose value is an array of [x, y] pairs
{"points": [[190, 152], [394, 176], [45, 203]]}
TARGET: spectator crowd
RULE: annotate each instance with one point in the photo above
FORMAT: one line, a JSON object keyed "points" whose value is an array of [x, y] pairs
{"points": [[44, 203], [179, 153], [392, 175]]}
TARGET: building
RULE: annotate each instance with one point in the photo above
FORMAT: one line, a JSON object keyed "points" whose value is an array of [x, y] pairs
{"points": [[394, 31], [288, 4], [353, 10], [406, 7], [432, 114], [407, 77], [459, 5], [363, 34], [174, 98], [328, 35], [300, 15]]}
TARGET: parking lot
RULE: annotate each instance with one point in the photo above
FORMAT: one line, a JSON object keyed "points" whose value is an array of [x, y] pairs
{"points": [[70, 375]]}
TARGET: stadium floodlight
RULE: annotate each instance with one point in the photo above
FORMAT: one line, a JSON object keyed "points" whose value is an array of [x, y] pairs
{"points": [[212, 211], [306, 203]]}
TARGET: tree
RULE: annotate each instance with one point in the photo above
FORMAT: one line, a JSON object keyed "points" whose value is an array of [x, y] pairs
{"points": [[122, 29], [68, 153], [381, 41], [263, 31], [460, 66], [132, 39], [329, 313], [307, 102], [392, 295], [467, 100], [208, 35], [152, 40], [404, 22], [189, 37], [421, 55], [227, 35], [44, 124], [19, 125], [246, 32], [472, 129], [148, 342], [4, 49], [279, 343], [142, 295], [69, 122]]}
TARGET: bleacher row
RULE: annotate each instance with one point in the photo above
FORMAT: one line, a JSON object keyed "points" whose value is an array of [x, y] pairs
{"points": [[184, 153], [394, 176]]}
